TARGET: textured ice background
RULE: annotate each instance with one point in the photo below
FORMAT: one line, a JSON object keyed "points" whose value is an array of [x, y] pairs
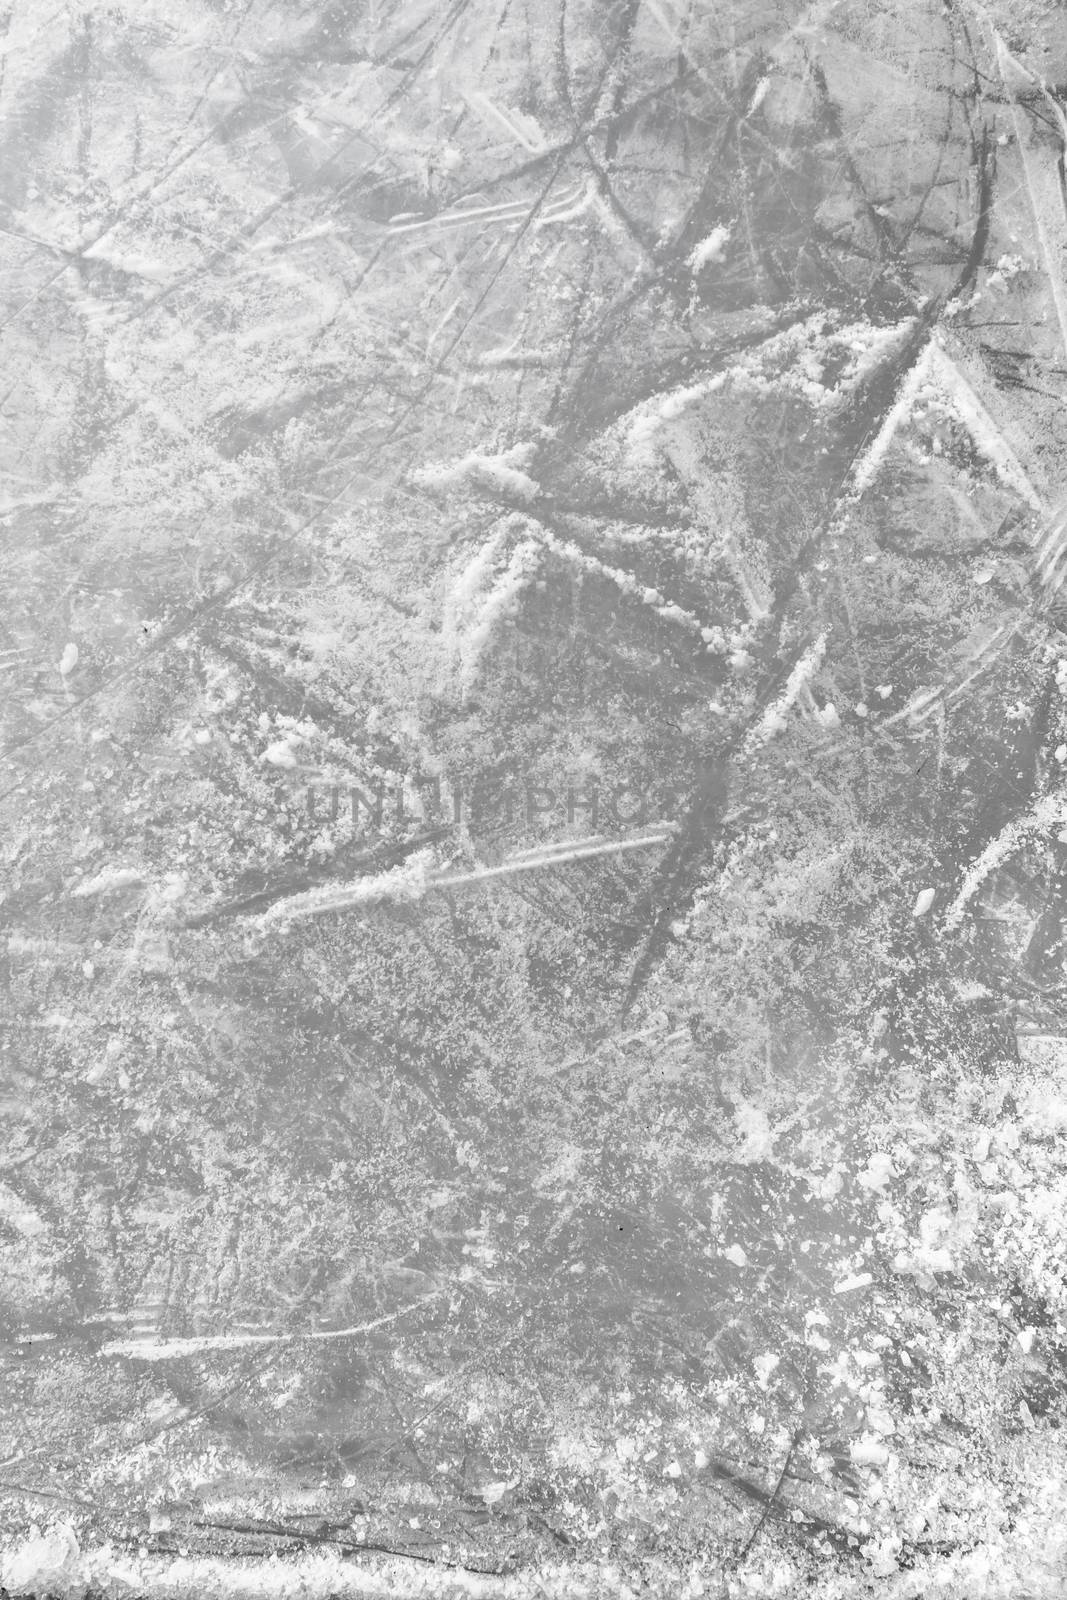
{"points": [[415, 418]]}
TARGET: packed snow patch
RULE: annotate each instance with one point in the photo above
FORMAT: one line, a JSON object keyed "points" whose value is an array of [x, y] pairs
{"points": [[104, 882], [502, 474], [45, 1563], [709, 250]]}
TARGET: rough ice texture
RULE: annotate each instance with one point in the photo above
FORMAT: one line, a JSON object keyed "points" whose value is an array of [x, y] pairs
{"points": [[532, 878]]}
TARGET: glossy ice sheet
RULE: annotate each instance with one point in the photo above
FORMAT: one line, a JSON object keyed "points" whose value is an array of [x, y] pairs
{"points": [[533, 822]]}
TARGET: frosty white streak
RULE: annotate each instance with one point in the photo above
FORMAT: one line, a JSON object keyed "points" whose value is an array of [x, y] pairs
{"points": [[154, 1349], [1045, 813], [413, 880], [865, 470], [773, 719], [564, 209]]}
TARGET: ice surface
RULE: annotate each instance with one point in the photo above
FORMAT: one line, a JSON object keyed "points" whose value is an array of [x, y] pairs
{"points": [[534, 713]]}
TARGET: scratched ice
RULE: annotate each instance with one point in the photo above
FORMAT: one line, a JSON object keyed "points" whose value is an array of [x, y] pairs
{"points": [[534, 810]]}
